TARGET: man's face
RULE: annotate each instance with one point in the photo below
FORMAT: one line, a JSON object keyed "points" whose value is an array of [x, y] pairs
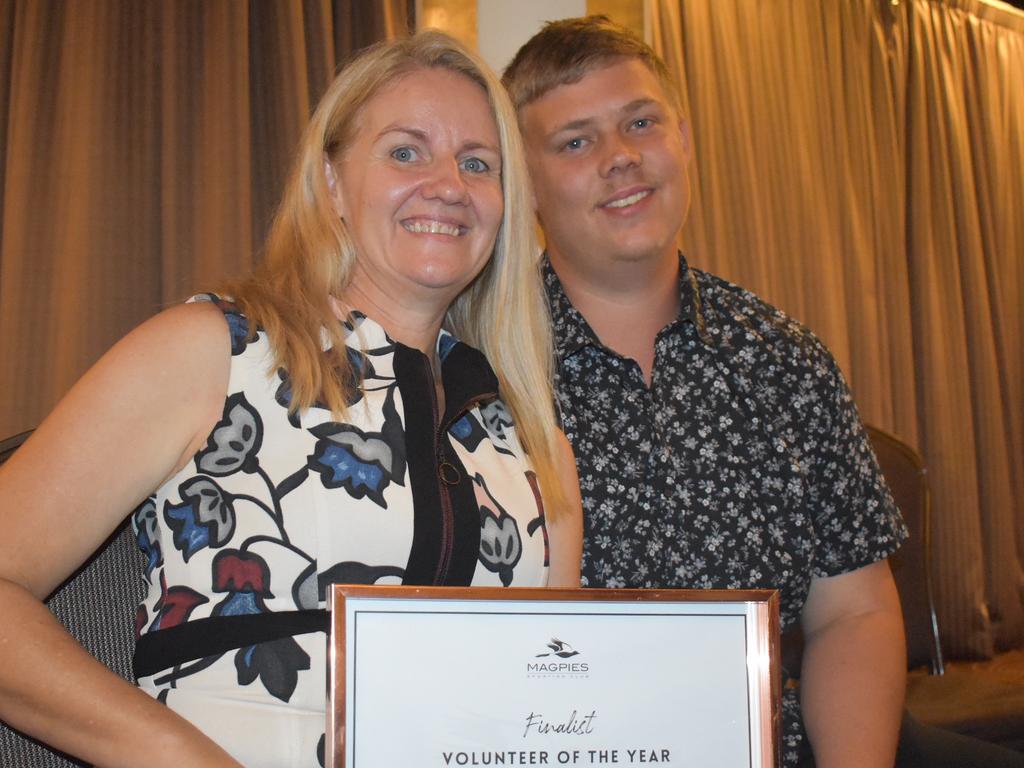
{"points": [[608, 159]]}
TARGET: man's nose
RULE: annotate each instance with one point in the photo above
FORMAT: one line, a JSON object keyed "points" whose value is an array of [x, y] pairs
{"points": [[618, 154]]}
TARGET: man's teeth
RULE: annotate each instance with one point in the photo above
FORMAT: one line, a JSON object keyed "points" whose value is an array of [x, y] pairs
{"points": [[623, 202], [432, 227]]}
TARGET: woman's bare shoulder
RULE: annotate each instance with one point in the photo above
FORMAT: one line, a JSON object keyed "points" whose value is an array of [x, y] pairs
{"points": [[124, 428]]}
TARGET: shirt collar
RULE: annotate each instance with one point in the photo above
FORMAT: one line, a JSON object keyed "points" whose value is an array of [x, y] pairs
{"points": [[572, 332]]}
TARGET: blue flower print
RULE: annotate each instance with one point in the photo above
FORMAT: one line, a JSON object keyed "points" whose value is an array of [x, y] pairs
{"points": [[205, 518], [189, 536], [245, 576], [346, 457], [445, 344], [361, 368], [364, 463], [147, 534], [238, 324], [467, 431], [235, 440], [238, 328]]}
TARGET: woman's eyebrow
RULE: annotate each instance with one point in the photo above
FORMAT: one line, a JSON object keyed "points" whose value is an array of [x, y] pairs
{"points": [[415, 133], [473, 144]]}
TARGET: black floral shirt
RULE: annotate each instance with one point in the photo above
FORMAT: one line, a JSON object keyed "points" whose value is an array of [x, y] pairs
{"points": [[743, 465]]}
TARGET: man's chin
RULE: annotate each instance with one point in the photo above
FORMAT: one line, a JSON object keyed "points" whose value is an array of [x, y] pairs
{"points": [[643, 253]]}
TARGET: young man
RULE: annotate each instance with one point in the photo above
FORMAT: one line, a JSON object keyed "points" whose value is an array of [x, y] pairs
{"points": [[716, 441]]}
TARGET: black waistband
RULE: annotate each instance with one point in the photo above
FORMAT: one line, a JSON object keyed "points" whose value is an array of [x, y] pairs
{"points": [[216, 635]]}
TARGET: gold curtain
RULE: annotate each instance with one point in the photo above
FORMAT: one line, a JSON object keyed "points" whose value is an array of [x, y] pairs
{"points": [[861, 165], [143, 147]]}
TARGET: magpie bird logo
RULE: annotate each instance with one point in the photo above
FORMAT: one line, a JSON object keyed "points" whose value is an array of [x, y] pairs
{"points": [[559, 648]]}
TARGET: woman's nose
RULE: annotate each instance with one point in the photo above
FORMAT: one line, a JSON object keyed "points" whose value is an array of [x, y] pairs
{"points": [[446, 183]]}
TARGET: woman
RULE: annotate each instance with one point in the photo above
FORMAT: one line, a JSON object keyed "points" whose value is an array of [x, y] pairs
{"points": [[341, 426]]}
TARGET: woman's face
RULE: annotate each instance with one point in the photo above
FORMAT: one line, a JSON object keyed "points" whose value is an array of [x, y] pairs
{"points": [[419, 188]]}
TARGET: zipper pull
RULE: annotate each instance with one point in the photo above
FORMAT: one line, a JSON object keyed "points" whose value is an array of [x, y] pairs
{"points": [[448, 473]]}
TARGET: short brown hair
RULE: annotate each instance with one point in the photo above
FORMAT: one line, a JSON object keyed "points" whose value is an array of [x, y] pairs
{"points": [[566, 50]]}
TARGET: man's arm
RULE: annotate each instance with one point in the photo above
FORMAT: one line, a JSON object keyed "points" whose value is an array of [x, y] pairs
{"points": [[854, 668]]}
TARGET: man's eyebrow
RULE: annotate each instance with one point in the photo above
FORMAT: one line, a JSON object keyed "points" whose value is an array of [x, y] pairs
{"points": [[574, 125], [636, 104], [585, 122]]}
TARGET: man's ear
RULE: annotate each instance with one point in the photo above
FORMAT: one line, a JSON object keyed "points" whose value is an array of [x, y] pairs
{"points": [[687, 136], [333, 187]]}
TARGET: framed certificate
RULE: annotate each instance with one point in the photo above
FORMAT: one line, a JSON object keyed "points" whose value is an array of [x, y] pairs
{"points": [[425, 677]]}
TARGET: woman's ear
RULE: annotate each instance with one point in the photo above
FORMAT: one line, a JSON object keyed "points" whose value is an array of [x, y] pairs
{"points": [[333, 187]]}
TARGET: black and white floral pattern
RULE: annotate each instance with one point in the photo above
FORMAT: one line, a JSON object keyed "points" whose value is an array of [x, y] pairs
{"points": [[743, 465], [278, 505]]}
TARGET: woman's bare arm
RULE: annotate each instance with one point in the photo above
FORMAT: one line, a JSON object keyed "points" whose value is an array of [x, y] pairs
{"points": [[127, 426]]}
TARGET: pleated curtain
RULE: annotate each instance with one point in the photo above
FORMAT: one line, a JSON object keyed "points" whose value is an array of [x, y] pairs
{"points": [[143, 147], [860, 164]]}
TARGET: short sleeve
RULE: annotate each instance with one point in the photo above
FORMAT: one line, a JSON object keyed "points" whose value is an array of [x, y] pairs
{"points": [[856, 521]]}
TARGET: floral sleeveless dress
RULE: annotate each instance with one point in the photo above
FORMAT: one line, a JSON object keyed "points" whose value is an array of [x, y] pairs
{"points": [[243, 541]]}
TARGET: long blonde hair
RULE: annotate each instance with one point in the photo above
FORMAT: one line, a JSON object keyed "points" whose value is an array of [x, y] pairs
{"points": [[309, 256]]}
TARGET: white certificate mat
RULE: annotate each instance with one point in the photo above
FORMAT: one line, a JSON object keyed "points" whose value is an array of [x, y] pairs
{"points": [[435, 677]]}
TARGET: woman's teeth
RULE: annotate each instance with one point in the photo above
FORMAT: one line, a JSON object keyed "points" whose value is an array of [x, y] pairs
{"points": [[432, 227]]}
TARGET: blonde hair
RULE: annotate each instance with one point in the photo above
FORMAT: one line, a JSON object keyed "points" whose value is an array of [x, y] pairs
{"points": [[309, 257], [564, 51]]}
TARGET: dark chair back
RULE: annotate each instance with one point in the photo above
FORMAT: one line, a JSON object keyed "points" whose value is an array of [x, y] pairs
{"points": [[905, 472], [97, 606], [10, 444]]}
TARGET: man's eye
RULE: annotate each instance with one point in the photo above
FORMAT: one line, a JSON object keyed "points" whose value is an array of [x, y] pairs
{"points": [[576, 143], [404, 154], [475, 165]]}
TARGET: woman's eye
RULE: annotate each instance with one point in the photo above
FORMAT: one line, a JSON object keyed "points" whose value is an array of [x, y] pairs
{"points": [[404, 154], [643, 122], [475, 165]]}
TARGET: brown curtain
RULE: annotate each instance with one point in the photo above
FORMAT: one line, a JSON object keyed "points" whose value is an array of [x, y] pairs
{"points": [[143, 147], [860, 164]]}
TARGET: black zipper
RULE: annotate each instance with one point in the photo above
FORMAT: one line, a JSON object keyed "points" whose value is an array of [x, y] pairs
{"points": [[447, 474]]}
